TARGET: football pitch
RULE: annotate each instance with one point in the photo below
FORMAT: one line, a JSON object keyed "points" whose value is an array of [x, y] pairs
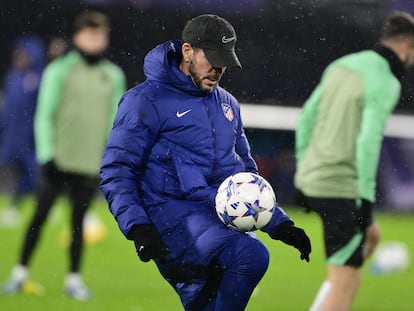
{"points": [[119, 281]]}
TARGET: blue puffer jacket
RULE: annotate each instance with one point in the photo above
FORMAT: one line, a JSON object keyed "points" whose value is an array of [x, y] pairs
{"points": [[20, 95], [169, 141]]}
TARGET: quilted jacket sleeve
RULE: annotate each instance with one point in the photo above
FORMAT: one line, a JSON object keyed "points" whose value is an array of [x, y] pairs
{"points": [[134, 133]]}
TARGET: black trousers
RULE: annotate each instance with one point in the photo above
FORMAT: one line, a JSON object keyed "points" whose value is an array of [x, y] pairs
{"points": [[80, 190]]}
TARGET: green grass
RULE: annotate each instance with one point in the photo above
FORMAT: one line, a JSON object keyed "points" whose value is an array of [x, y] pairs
{"points": [[119, 281]]}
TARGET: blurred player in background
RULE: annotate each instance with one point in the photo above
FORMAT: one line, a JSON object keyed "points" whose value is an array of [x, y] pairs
{"points": [[56, 48], [17, 149], [76, 107], [338, 142], [176, 137]]}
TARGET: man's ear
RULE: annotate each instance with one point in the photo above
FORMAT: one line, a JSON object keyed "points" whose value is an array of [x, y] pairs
{"points": [[406, 42], [187, 51]]}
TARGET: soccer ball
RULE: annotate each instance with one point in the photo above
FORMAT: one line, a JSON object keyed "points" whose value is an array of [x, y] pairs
{"points": [[245, 202], [390, 257]]}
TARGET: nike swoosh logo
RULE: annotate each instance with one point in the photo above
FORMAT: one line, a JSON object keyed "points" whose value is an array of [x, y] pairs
{"points": [[181, 114], [227, 40]]}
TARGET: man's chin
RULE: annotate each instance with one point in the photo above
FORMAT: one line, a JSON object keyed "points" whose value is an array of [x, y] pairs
{"points": [[209, 87], [204, 86], [208, 90]]}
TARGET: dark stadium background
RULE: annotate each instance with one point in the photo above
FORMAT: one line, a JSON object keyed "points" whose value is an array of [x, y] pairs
{"points": [[283, 47]]}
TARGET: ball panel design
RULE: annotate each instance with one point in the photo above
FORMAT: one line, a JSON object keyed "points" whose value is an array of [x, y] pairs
{"points": [[245, 201]]}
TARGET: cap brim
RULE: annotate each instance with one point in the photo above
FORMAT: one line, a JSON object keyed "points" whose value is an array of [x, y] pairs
{"points": [[222, 58]]}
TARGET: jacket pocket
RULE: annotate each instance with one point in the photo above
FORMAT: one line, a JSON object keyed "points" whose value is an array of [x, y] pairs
{"points": [[172, 185], [191, 176]]}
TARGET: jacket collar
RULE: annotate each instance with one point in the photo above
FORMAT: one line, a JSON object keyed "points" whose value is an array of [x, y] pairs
{"points": [[395, 63]]}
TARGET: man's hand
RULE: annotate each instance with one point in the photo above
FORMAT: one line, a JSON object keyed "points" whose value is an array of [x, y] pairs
{"points": [[148, 242], [372, 238], [294, 236]]}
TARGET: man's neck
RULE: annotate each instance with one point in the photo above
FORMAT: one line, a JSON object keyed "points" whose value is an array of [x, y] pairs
{"points": [[184, 67]]}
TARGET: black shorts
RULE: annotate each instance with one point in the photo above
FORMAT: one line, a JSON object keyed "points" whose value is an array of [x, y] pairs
{"points": [[343, 233]]}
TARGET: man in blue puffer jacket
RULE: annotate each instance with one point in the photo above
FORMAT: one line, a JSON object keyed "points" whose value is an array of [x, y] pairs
{"points": [[17, 148], [176, 137]]}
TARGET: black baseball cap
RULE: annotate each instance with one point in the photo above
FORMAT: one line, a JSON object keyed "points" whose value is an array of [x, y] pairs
{"points": [[217, 38]]}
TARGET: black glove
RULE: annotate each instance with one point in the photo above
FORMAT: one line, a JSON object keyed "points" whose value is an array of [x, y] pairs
{"points": [[291, 235], [365, 216], [148, 242], [49, 169]]}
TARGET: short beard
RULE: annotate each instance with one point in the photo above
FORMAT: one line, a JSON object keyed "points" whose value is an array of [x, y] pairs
{"points": [[197, 80]]}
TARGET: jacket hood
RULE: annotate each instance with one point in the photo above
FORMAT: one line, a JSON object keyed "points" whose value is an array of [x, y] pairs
{"points": [[162, 64], [35, 47]]}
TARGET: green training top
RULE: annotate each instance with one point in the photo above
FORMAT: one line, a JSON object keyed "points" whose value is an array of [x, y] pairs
{"points": [[340, 130], [76, 106]]}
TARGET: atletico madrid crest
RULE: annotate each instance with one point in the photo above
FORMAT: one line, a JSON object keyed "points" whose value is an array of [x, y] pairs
{"points": [[228, 112]]}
